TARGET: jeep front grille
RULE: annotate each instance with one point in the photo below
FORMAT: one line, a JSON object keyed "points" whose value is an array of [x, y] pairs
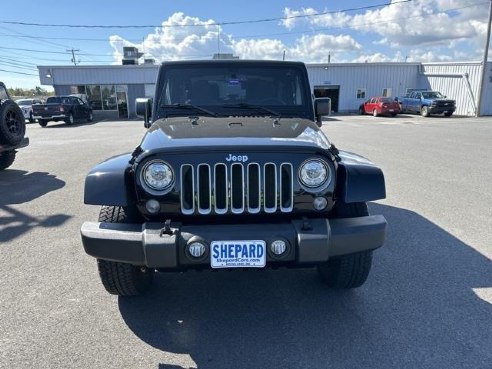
{"points": [[236, 188]]}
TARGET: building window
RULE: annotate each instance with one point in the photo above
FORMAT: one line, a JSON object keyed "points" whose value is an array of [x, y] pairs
{"points": [[361, 93], [108, 95], [94, 97], [149, 90], [77, 90], [387, 92]]}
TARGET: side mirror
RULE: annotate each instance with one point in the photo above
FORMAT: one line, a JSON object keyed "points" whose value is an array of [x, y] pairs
{"points": [[143, 108], [322, 107]]}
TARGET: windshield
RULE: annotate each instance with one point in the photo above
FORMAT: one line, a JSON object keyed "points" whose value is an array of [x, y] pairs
{"points": [[24, 102], [432, 95], [221, 88], [387, 100], [58, 100]]}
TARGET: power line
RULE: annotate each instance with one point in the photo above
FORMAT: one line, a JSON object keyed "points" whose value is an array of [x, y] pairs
{"points": [[208, 23], [68, 38], [391, 20], [49, 52], [26, 74]]}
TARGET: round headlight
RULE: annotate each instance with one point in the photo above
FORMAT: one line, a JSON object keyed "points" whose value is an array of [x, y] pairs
{"points": [[157, 175], [314, 173]]}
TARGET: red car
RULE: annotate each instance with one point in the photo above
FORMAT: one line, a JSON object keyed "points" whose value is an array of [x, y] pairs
{"points": [[380, 106]]}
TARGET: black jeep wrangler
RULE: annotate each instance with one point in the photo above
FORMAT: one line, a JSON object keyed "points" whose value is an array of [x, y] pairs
{"points": [[234, 172], [12, 129]]}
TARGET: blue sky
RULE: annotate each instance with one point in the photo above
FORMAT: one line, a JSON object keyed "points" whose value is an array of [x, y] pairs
{"points": [[348, 31]]}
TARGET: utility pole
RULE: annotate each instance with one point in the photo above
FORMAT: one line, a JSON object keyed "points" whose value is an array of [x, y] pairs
{"points": [[484, 62], [73, 55]]}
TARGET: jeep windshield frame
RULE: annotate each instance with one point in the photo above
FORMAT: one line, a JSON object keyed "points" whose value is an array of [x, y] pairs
{"points": [[234, 88]]}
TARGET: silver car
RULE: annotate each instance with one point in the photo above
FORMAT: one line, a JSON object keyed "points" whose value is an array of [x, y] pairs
{"points": [[26, 107]]}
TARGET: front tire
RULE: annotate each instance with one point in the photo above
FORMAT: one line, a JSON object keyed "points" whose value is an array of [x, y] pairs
{"points": [[43, 122], [424, 111], [70, 120], [375, 113], [361, 110], [31, 119], [12, 123], [90, 117], [347, 271], [448, 113], [6, 159], [122, 279]]}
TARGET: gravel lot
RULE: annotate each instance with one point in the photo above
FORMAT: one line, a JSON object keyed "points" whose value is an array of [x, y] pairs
{"points": [[427, 303]]}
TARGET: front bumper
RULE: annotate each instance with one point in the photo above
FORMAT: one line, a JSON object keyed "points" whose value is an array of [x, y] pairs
{"points": [[156, 246], [441, 109]]}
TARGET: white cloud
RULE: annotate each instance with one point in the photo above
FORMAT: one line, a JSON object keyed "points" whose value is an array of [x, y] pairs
{"points": [[421, 30], [170, 42], [420, 22], [180, 37], [259, 49]]}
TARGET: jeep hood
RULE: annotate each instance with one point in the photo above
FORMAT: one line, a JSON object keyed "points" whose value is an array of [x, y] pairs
{"points": [[190, 133]]}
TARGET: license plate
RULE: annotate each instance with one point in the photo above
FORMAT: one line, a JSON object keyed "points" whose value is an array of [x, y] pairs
{"points": [[391, 110], [238, 254]]}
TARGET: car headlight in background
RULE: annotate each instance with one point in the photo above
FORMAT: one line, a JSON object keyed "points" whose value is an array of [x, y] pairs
{"points": [[157, 176], [314, 173]]}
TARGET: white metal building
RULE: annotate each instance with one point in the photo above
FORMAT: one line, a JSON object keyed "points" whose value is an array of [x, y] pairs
{"points": [[113, 89]]}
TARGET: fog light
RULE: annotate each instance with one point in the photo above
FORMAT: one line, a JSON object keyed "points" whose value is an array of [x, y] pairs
{"points": [[278, 247], [152, 206], [196, 249], [320, 203]]}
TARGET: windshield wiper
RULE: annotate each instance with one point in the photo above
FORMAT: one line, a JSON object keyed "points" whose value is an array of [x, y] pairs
{"points": [[254, 107], [190, 107]]}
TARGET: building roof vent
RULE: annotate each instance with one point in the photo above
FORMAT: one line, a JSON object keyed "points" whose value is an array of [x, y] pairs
{"points": [[224, 56], [130, 55]]}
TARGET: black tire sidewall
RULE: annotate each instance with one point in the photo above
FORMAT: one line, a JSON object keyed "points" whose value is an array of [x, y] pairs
{"points": [[6, 136], [6, 159]]}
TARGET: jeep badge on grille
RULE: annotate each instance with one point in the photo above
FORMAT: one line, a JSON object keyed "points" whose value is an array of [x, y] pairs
{"points": [[242, 158]]}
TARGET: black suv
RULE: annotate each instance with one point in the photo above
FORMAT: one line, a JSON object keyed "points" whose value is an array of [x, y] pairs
{"points": [[234, 172]]}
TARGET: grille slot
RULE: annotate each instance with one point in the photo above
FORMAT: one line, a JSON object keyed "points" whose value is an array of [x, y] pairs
{"points": [[236, 188]]}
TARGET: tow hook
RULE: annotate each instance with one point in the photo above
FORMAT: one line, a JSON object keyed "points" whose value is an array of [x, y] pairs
{"points": [[167, 230]]}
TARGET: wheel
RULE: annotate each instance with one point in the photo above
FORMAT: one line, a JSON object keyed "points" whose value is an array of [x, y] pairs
{"points": [[31, 119], [375, 113], [347, 271], [122, 279], [448, 113], [393, 114], [6, 159], [424, 111], [43, 122], [12, 123], [69, 120], [90, 117], [361, 110]]}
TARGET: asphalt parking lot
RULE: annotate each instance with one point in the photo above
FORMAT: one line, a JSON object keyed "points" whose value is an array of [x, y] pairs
{"points": [[426, 304]]}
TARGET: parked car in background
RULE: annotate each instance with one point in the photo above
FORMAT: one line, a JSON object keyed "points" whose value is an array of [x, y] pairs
{"points": [[380, 106], [82, 97], [26, 107], [426, 103], [62, 108]]}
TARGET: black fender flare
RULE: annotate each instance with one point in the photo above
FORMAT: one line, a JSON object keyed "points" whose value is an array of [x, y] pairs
{"points": [[359, 179], [107, 183]]}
